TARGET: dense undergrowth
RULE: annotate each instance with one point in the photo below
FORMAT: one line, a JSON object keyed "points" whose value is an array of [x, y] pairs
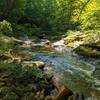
{"points": [[18, 82]]}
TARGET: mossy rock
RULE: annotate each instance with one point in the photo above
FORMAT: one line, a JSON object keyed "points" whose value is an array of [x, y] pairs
{"points": [[86, 44], [87, 51], [38, 64], [6, 46]]}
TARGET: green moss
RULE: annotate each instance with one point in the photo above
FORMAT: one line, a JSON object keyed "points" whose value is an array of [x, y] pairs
{"points": [[92, 31], [6, 42], [87, 51], [84, 43], [5, 28], [21, 72]]}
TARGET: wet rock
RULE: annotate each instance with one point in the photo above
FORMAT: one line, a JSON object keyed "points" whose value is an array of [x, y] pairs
{"points": [[63, 93], [38, 64]]}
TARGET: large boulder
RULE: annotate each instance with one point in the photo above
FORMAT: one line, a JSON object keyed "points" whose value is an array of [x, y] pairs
{"points": [[86, 44]]}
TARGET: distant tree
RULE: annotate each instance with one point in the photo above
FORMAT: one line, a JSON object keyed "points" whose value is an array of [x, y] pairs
{"points": [[52, 15], [11, 9]]}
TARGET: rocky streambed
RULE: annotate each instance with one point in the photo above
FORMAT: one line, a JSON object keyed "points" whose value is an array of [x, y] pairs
{"points": [[61, 74]]}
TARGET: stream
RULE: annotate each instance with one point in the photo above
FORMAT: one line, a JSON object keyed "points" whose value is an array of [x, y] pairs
{"points": [[81, 76]]}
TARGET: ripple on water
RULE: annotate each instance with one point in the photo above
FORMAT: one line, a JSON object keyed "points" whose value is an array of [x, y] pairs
{"points": [[78, 76]]}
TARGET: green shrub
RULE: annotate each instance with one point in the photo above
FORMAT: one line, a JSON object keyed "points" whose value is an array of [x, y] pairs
{"points": [[6, 43], [21, 30], [5, 28], [21, 73], [92, 31]]}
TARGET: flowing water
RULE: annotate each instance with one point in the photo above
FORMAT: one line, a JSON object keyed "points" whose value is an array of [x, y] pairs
{"points": [[79, 75]]}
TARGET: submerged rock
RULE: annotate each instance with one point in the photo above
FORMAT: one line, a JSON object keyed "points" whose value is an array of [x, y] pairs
{"points": [[86, 44]]}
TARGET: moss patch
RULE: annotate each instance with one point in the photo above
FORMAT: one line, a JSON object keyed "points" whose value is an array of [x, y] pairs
{"points": [[86, 44]]}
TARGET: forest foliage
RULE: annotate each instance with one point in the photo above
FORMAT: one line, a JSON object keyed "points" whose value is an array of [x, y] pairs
{"points": [[51, 16]]}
